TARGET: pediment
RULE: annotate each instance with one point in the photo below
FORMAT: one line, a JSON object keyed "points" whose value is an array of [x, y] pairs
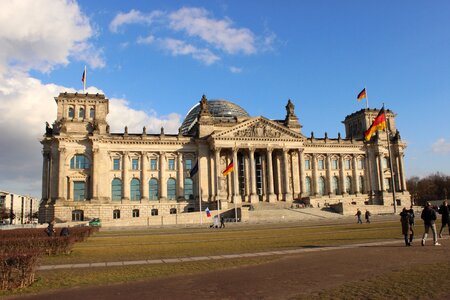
{"points": [[258, 128]]}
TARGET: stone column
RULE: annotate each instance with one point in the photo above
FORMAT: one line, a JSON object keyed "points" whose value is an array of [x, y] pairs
{"points": [[278, 178], [328, 172], [402, 172], [125, 177], [341, 175], [295, 174], [236, 196], [368, 175], [180, 177], [162, 176], [302, 172], [61, 174], [253, 196], [287, 191], [247, 173], [354, 175], [217, 172], [144, 175], [45, 175], [380, 172], [95, 165], [315, 179], [271, 197]]}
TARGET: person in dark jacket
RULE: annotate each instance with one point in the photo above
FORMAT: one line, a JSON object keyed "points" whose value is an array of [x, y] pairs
{"points": [[64, 231], [358, 215], [406, 225], [429, 218], [411, 222], [444, 210]]}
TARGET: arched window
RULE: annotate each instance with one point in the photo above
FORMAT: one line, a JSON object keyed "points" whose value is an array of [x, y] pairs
{"points": [[188, 189], [135, 213], [77, 215], [173, 211], [116, 189], [71, 113], [81, 113], [348, 184], [79, 190], [308, 185], [116, 214], [361, 184], [153, 189], [335, 185], [135, 189], [79, 161], [321, 185], [92, 113], [154, 212], [171, 189]]}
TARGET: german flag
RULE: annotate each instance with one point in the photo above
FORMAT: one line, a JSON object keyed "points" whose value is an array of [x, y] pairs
{"points": [[378, 124], [229, 169], [362, 94]]}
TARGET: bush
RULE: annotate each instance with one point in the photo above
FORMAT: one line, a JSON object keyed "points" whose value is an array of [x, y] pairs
{"points": [[17, 269]]}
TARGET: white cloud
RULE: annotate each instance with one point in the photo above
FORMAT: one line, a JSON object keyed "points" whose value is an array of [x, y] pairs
{"points": [[178, 47], [146, 40], [441, 146], [43, 33], [235, 69], [219, 33], [133, 17]]}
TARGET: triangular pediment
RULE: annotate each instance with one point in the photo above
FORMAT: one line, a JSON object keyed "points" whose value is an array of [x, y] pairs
{"points": [[258, 128]]}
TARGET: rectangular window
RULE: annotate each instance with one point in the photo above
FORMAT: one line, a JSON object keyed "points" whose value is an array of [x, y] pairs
{"points": [[153, 164], [135, 164], [135, 213], [116, 164], [321, 164], [361, 163], [347, 164], [188, 164], [171, 164], [79, 190], [334, 164], [116, 214], [307, 164]]}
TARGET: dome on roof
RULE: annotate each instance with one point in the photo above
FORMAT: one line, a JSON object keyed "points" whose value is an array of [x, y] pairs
{"points": [[219, 109]]}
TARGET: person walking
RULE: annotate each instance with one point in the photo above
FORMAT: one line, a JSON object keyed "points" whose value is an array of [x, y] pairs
{"points": [[429, 218], [367, 216], [358, 215], [406, 225], [50, 229], [222, 222], [444, 210], [411, 223]]}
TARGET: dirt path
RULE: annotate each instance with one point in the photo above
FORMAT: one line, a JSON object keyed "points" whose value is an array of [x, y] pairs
{"points": [[290, 276]]}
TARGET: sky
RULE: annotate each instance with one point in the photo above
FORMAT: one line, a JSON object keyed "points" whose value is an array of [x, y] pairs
{"points": [[155, 59]]}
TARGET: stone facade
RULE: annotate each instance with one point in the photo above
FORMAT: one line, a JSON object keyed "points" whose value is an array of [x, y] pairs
{"points": [[140, 179]]}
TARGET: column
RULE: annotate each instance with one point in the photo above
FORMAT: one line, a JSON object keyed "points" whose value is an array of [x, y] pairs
{"points": [[247, 173], [278, 177], [380, 172], [287, 190], [295, 174], [315, 179], [271, 197], [253, 196], [368, 175], [180, 177], [341, 175], [354, 175], [95, 165], [302, 172], [61, 174], [402, 172], [236, 196], [144, 175], [45, 173], [125, 179], [218, 173], [162, 177], [328, 172]]}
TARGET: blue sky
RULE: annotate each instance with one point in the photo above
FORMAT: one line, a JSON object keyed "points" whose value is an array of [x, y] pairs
{"points": [[155, 59]]}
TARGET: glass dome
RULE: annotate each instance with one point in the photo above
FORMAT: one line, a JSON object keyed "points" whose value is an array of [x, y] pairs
{"points": [[219, 109]]}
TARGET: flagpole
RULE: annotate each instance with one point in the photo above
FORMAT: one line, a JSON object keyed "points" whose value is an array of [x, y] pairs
{"points": [[199, 191], [390, 163], [367, 98], [84, 81]]}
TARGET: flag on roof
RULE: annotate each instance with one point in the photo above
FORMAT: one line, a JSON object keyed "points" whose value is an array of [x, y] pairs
{"points": [[362, 94], [378, 124]]}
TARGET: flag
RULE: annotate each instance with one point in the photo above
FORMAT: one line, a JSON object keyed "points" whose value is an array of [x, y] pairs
{"points": [[194, 170], [378, 124], [362, 94], [208, 213], [229, 169], [83, 78]]}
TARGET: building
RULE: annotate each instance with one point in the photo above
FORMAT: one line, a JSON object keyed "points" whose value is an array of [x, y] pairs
{"points": [[22, 208], [135, 179]]}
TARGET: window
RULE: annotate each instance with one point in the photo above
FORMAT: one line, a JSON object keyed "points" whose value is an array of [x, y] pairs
{"points": [[321, 185], [77, 215], [334, 164], [116, 164], [348, 184], [188, 164], [116, 214], [171, 164], [135, 164], [171, 189], [335, 185], [81, 113], [385, 162], [71, 113], [347, 164], [153, 164], [154, 212], [116, 189], [308, 185], [135, 213], [307, 164], [79, 161], [387, 184], [173, 211], [135, 189], [79, 190], [92, 113], [361, 184], [361, 163], [188, 189], [153, 189], [321, 164]]}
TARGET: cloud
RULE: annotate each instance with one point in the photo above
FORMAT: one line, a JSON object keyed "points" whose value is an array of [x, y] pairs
{"points": [[235, 69], [441, 146], [145, 40], [133, 17], [178, 47], [43, 33]]}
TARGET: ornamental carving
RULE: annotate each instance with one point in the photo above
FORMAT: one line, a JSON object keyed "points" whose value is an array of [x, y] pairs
{"points": [[258, 130]]}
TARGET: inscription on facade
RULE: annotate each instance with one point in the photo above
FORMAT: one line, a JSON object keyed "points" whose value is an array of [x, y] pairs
{"points": [[258, 130]]}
